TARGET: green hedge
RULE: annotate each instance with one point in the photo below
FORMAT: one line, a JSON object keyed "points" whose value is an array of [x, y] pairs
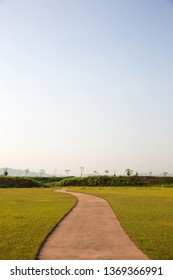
{"points": [[48, 179], [23, 182], [17, 182], [117, 181]]}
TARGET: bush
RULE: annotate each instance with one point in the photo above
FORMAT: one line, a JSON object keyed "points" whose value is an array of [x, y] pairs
{"points": [[116, 181], [17, 182], [48, 179]]}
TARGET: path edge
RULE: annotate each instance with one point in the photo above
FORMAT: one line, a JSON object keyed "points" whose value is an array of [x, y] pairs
{"points": [[118, 221], [52, 230]]}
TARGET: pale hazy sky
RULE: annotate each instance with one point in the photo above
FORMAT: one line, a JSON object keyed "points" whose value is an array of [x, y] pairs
{"points": [[86, 83]]}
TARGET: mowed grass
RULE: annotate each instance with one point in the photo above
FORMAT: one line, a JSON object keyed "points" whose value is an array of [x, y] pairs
{"points": [[26, 218], [146, 214]]}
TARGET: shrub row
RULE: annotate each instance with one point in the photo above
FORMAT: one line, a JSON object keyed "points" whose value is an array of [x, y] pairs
{"points": [[116, 181], [48, 179], [18, 182]]}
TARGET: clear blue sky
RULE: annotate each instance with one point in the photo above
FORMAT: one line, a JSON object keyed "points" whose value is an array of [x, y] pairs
{"points": [[86, 83]]}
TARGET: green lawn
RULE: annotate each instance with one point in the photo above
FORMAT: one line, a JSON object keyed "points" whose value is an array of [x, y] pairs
{"points": [[28, 215], [26, 218], [146, 214]]}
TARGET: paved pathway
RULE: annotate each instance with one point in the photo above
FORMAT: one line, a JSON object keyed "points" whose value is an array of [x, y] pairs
{"points": [[90, 232]]}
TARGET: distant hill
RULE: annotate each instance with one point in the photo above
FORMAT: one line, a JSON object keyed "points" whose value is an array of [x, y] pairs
{"points": [[20, 172]]}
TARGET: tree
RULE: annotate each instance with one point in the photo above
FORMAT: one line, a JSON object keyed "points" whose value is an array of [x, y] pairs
{"points": [[129, 171], [67, 171], [106, 172], [165, 173], [42, 171], [6, 171], [150, 173], [95, 172], [81, 171], [26, 172]]}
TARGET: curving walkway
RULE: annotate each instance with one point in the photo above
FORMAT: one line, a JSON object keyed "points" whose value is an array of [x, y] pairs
{"points": [[90, 231]]}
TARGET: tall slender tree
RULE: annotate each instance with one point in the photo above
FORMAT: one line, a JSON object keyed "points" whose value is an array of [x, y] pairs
{"points": [[6, 171], [42, 171], [67, 171], [26, 172], [81, 171]]}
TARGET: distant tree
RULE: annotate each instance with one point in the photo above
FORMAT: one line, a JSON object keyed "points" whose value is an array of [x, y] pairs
{"points": [[67, 171], [81, 171], [150, 173], [6, 171], [129, 171], [42, 171], [95, 172], [26, 172], [106, 172], [137, 174], [165, 173], [54, 172]]}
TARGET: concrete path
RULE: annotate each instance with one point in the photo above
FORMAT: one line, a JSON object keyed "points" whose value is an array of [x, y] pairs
{"points": [[90, 232]]}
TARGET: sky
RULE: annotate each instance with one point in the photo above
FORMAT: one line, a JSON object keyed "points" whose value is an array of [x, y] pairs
{"points": [[86, 83]]}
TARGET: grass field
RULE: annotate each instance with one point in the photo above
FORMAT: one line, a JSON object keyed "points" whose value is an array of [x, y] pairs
{"points": [[28, 215], [146, 214], [26, 218]]}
